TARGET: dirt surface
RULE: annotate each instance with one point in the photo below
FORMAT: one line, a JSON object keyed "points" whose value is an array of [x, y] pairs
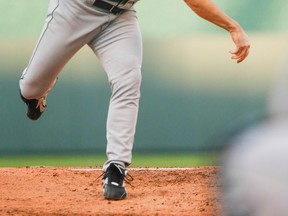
{"points": [[71, 191]]}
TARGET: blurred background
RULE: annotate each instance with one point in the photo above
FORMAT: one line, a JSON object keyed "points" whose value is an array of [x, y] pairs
{"points": [[191, 90]]}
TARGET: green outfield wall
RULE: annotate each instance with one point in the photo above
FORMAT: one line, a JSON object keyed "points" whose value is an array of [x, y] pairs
{"points": [[191, 91]]}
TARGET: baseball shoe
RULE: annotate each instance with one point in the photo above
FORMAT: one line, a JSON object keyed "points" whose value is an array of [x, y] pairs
{"points": [[35, 107], [113, 182]]}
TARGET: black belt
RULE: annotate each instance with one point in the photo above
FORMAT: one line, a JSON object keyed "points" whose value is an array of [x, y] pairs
{"points": [[108, 7]]}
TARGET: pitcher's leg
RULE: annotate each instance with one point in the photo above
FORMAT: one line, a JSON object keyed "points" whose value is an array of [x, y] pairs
{"points": [[39, 76], [69, 26], [122, 116], [119, 49]]}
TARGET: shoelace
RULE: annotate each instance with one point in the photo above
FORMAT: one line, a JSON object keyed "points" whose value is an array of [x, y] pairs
{"points": [[41, 104], [128, 178]]}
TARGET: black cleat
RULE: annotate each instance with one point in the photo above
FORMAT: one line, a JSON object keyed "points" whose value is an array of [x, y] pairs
{"points": [[35, 107], [113, 182]]}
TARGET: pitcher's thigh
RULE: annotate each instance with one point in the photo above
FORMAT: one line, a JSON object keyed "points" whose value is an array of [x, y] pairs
{"points": [[119, 46], [59, 41]]}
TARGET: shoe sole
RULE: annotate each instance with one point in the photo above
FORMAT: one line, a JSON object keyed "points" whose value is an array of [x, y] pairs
{"points": [[112, 192]]}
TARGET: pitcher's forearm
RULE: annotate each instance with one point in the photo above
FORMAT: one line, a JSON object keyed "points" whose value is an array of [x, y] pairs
{"points": [[210, 12]]}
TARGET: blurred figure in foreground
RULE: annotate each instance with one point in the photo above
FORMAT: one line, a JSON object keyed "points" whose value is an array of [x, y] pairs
{"points": [[255, 176]]}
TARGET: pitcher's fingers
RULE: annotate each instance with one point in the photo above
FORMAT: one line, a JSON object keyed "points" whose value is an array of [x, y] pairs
{"points": [[240, 53], [243, 56]]}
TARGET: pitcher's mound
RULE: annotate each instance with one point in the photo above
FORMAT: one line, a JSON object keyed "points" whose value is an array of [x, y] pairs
{"points": [[76, 191]]}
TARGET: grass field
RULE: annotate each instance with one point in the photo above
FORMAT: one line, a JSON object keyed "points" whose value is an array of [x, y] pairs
{"points": [[141, 160]]}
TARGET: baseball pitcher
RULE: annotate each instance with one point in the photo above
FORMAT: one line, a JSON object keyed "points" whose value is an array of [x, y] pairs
{"points": [[110, 28]]}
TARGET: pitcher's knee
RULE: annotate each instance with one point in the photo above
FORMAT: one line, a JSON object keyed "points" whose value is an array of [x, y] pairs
{"points": [[128, 84], [30, 91], [134, 78]]}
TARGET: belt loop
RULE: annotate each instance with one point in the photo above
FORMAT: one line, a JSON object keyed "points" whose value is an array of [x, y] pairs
{"points": [[118, 3], [112, 8], [115, 6]]}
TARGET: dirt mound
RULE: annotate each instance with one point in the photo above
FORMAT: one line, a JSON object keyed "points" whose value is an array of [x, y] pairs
{"points": [[73, 191]]}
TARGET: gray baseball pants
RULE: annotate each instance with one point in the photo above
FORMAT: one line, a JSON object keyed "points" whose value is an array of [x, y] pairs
{"points": [[115, 40]]}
